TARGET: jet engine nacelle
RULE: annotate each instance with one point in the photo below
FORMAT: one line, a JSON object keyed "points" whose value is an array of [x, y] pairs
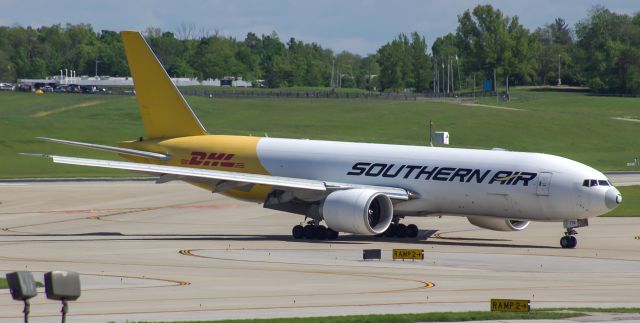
{"points": [[498, 224], [360, 211]]}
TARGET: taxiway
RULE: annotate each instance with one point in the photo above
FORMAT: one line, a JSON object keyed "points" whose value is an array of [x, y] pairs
{"points": [[176, 252]]}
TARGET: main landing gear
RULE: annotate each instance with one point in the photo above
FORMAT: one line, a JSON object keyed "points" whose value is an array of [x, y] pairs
{"points": [[313, 231], [569, 241], [399, 230]]}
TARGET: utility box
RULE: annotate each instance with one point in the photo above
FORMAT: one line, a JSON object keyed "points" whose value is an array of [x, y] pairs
{"points": [[441, 137], [368, 254]]}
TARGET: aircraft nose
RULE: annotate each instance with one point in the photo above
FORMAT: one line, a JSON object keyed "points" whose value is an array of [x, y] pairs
{"points": [[612, 198]]}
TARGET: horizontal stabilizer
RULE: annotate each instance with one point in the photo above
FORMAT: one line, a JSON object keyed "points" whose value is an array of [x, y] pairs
{"points": [[125, 151]]}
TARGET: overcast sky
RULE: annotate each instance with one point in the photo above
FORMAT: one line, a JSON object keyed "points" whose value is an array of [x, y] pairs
{"points": [[358, 26]]}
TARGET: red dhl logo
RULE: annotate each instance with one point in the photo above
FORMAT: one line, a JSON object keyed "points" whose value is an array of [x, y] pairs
{"points": [[200, 158]]}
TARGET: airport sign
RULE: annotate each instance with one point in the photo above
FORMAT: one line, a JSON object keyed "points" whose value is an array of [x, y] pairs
{"points": [[408, 254], [510, 305]]}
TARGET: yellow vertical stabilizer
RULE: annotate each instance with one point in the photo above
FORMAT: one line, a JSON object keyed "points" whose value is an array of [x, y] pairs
{"points": [[165, 113]]}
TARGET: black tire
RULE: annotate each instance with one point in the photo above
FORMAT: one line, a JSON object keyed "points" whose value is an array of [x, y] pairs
{"points": [[565, 242], [332, 235], [412, 231], [297, 232], [573, 242], [401, 231], [321, 232], [391, 231], [309, 231]]}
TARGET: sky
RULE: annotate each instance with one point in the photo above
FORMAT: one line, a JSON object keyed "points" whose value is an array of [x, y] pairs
{"points": [[358, 26]]}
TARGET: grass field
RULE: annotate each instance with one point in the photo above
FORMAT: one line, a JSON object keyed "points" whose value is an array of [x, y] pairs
{"points": [[574, 125], [630, 202]]}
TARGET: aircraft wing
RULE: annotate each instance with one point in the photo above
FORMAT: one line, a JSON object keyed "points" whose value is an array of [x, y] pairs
{"points": [[237, 179]]}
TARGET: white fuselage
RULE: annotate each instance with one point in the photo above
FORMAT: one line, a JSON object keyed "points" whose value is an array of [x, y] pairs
{"points": [[515, 185]]}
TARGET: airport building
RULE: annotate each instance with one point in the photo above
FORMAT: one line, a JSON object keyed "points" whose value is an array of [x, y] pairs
{"points": [[60, 81]]}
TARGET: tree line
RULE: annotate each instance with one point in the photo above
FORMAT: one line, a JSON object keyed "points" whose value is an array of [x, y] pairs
{"points": [[602, 51]]}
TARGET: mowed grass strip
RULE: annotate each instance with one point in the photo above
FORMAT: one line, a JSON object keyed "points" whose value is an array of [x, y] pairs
{"points": [[66, 108], [573, 125], [417, 317]]}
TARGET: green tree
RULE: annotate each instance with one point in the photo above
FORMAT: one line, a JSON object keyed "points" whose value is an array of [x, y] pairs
{"points": [[420, 62], [609, 52], [395, 64], [557, 47]]}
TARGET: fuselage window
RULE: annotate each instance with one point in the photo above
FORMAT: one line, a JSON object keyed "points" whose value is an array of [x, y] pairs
{"points": [[585, 183], [603, 183], [594, 182]]}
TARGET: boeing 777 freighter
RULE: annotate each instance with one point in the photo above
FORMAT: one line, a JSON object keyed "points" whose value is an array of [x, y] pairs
{"points": [[358, 188]]}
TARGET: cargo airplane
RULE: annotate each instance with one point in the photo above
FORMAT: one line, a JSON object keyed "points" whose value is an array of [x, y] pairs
{"points": [[358, 188]]}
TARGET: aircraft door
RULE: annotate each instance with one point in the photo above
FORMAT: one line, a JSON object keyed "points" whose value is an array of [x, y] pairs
{"points": [[544, 183]]}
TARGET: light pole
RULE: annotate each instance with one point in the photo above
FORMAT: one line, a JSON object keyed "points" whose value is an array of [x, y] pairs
{"points": [[443, 79], [459, 79], [559, 78]]}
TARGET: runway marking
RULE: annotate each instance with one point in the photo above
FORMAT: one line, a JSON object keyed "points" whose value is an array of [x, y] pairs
{"points": [[118, 211], [426, 284], [133, 209], [212, 206]]}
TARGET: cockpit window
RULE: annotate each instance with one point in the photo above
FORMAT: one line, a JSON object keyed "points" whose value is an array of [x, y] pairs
{"points": [[595, 182]]}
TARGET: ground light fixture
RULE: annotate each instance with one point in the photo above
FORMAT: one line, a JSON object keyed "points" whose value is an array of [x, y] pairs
{"points": [[22, 287], [62, 286]]}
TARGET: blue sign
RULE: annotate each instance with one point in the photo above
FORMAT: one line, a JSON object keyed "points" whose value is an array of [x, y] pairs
{"points": [[487, 85]]}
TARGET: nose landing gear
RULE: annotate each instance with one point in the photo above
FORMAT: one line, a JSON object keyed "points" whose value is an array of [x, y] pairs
{"points": [[569, 241]]}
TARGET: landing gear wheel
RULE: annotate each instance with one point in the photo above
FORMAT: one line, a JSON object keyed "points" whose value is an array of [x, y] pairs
{"points": [[321, 232], [568, 242], [332, 235], [412, 231], [297, 232], [401, 231], [309, 231], [391, 231]]}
